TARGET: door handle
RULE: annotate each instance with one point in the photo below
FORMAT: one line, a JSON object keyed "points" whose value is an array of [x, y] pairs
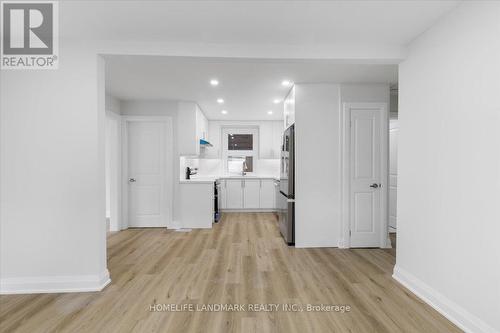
{"points": [[375, 185], [131, 180]]}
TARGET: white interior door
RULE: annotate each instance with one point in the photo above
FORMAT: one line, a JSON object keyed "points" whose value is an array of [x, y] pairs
{"points": [[365, 177], [148, 200]]}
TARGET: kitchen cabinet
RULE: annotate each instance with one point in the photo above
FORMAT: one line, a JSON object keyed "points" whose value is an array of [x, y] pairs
{"points": [[196, 205], [270, 133], [267, 194], [221, 189], [277, 138], [266, 139], [234, 193], [193, 126], [247, 194], [251, 193], [201, 125], [289, 108]]}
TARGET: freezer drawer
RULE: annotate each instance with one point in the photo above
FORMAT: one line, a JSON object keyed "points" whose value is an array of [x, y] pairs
{"points": [[286, 211]]}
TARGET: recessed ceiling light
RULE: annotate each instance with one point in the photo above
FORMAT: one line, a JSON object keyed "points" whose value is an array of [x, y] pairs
{"points": [[220, 100], [277, 101], [286, 83], [223, 112], [270, 112], [214, 82]]}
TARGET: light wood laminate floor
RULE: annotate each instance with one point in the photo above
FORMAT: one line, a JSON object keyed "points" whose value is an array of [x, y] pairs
{"points": [[241, 260]]}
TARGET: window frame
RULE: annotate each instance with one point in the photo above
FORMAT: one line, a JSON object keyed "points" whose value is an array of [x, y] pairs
{"points": [[253, 130]]}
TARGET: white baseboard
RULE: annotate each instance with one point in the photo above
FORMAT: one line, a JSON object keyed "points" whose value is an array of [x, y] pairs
{"points": [[54, 284], [452, 311], [175, 225]]}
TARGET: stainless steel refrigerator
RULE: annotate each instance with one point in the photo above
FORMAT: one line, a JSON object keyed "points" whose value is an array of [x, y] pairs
{"points": [[287, 186]]}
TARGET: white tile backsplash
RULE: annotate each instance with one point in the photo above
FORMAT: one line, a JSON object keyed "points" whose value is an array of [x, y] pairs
{"points": [[214, 167]]}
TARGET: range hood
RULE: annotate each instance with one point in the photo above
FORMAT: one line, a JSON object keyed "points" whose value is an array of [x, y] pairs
{"points": [[204, 143]]}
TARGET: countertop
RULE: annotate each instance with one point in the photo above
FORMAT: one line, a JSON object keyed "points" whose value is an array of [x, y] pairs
{"points": [[212, 179]]}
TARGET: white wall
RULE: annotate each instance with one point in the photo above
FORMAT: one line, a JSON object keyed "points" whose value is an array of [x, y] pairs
{"points": [[317, 161], [448, 247], [318, 128], [52, 226]]}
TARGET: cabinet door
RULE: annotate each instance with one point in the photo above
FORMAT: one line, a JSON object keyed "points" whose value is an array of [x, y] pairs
{"points": [[222, 194], [251, 190], [267, 194], [234, 194], [201, 125], [289, 108], [266, 140], [277, 138]]}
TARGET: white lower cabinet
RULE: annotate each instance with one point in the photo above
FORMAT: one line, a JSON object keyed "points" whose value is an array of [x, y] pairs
{"points": [[221, 191], [251, 194], [267, 194], [234, 194]]}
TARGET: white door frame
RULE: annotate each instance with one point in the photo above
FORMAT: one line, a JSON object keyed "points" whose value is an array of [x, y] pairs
{"points": [[169, 158], [114, 159], [346, 170]]}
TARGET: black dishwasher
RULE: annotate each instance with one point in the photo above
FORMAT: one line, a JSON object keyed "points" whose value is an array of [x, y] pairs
{"points": [[216, 202]]}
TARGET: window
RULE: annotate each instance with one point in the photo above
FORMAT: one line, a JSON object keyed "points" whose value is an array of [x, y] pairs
{"points": [[238, 164], [239, 149], [240, 142]]}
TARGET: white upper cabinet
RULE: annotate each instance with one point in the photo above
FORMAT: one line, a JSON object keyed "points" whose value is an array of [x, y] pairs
{"points": [[277, 138], [193, 126], [266, 139], [201, 125], [289, 108], [270, 139]]}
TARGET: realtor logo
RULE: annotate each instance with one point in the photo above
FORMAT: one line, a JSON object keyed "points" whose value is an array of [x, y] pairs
{"points": [[29, 35]]}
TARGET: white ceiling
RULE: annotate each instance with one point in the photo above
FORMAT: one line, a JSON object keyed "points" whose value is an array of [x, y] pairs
{"points": [[247, 86], [394, 22]]}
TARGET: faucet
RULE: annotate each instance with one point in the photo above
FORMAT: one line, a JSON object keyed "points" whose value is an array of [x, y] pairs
{"points": [[243, 168], [190, 172]]}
